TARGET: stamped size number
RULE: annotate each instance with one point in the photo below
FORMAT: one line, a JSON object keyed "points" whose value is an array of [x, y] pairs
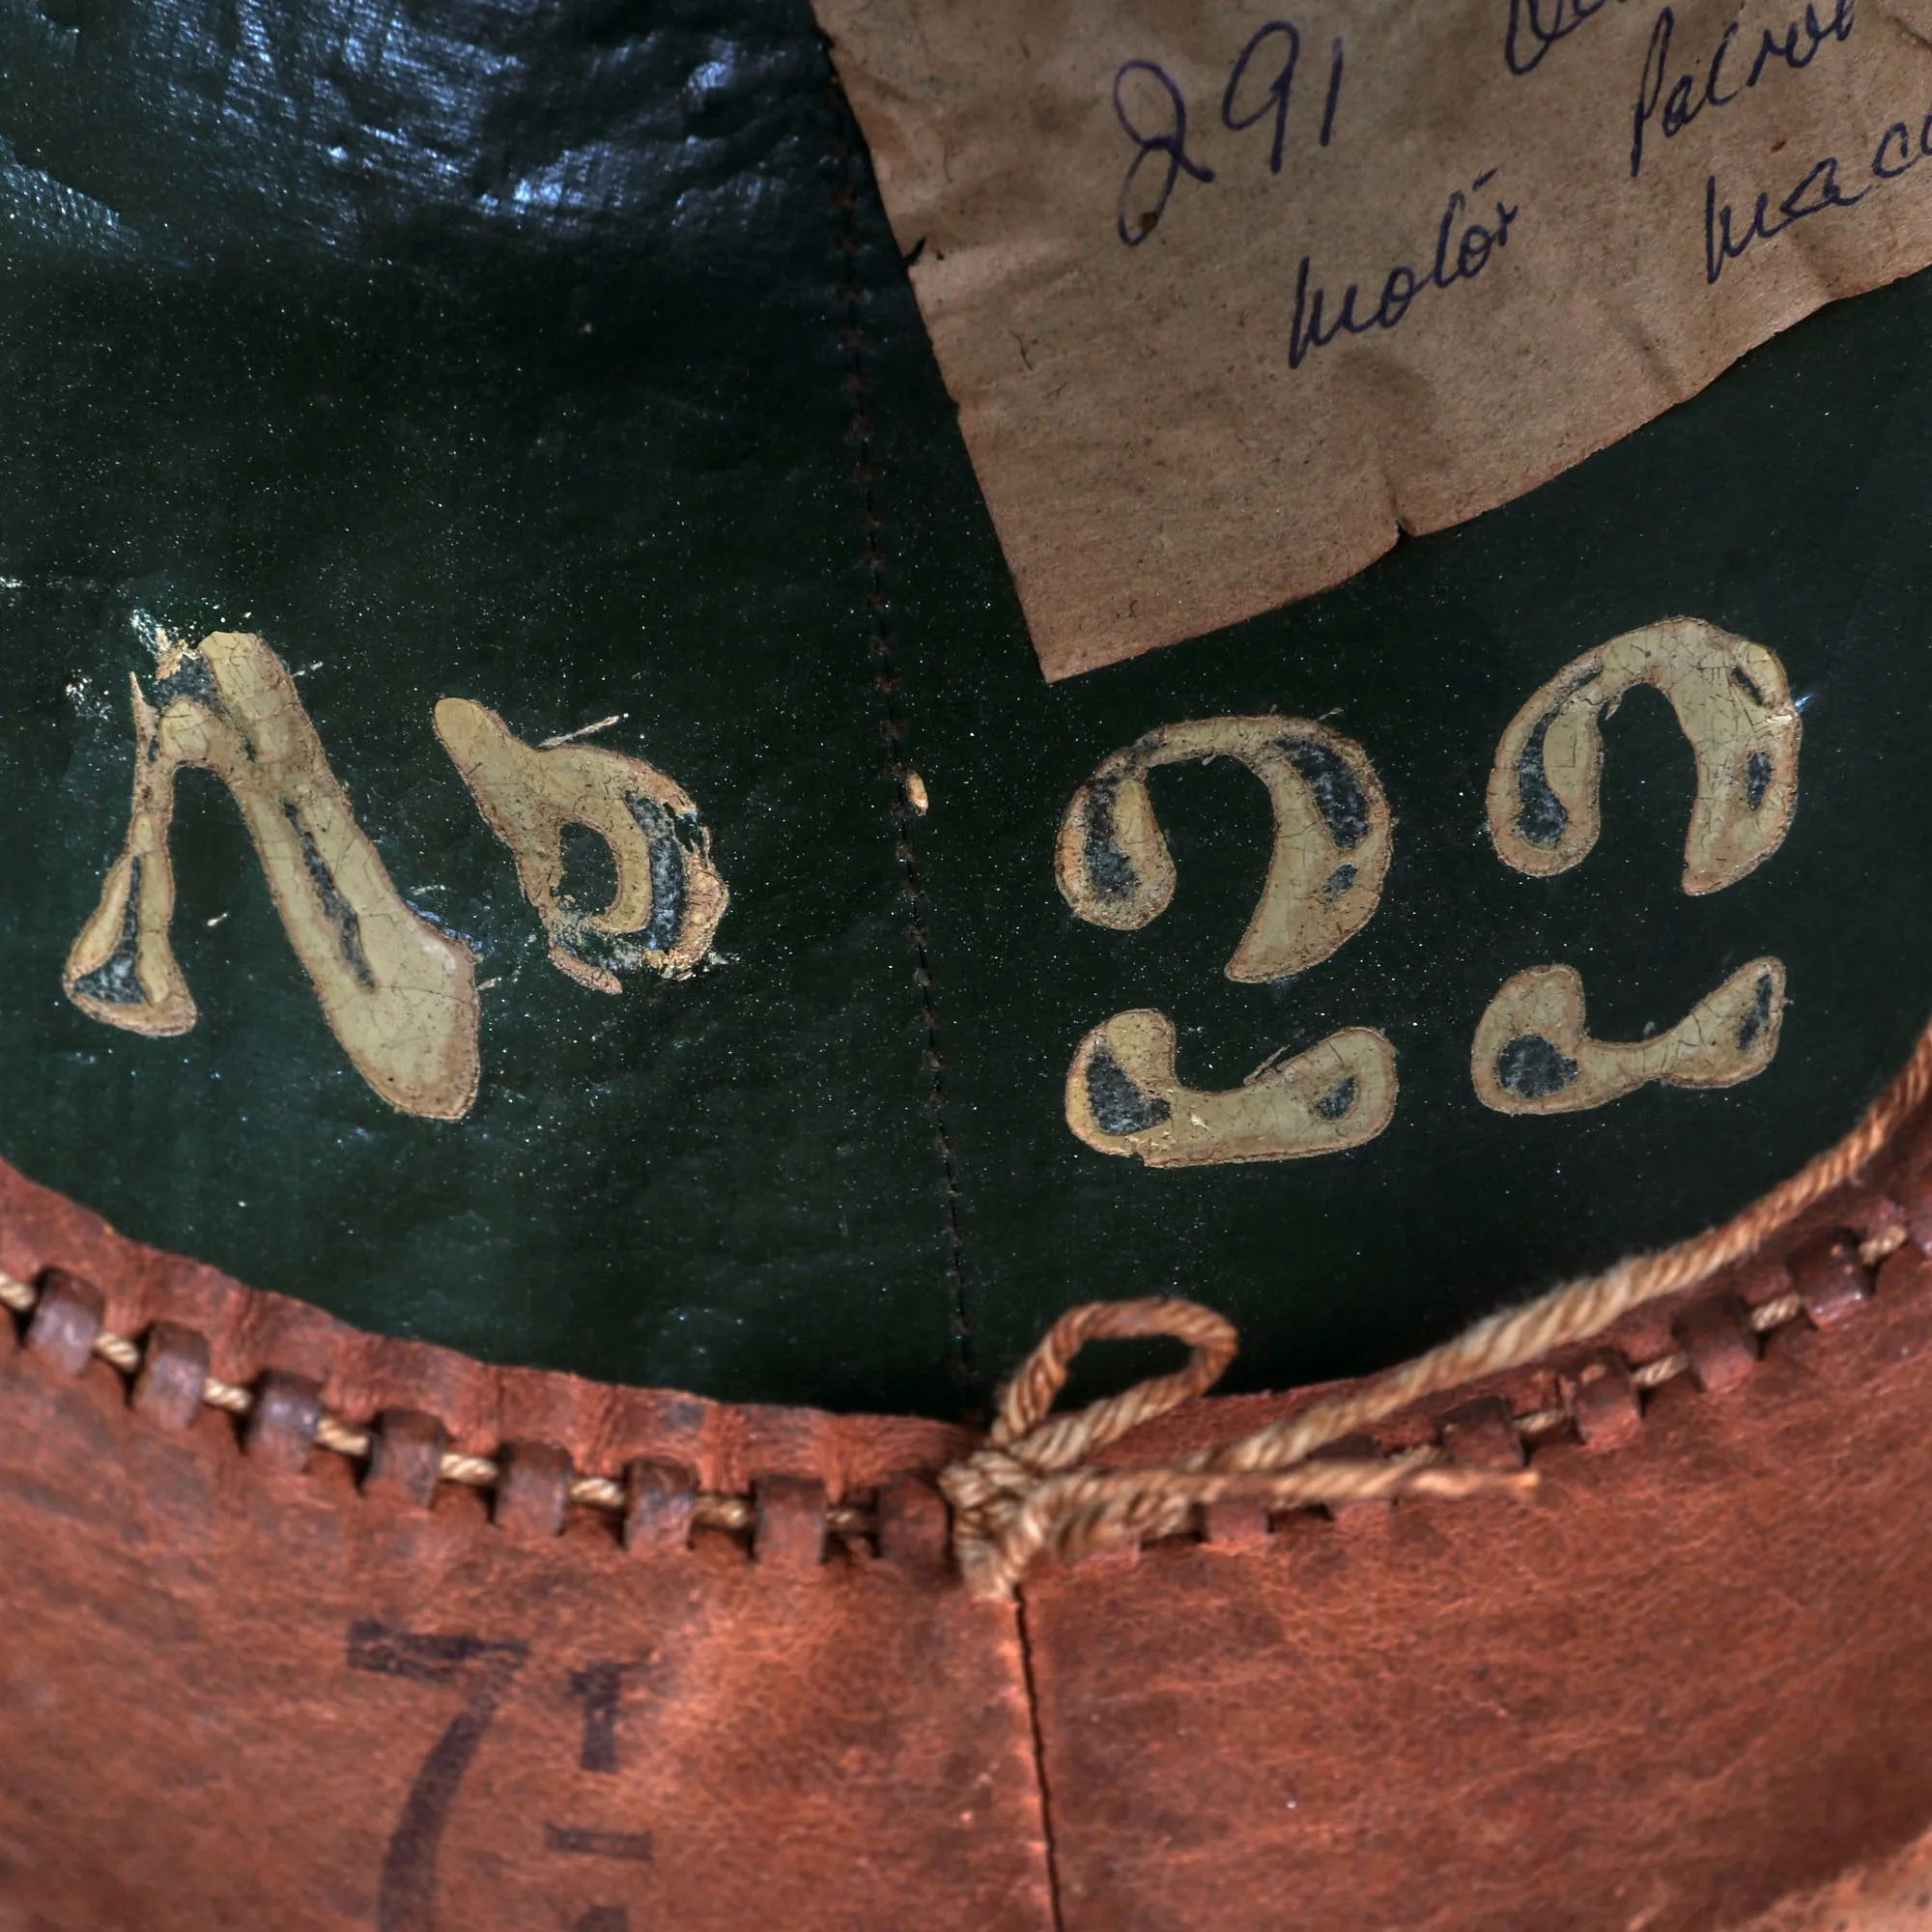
{"points": [[480, 1670]]}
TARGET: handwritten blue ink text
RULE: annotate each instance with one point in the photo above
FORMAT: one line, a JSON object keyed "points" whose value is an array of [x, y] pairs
{"points": [[1535, 26], [1795, 47], [1897, 153], [1153, 113], [1462, 252]]}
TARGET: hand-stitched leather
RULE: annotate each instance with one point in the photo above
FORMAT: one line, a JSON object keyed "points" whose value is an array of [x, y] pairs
{"points": [[1682, 1688]]}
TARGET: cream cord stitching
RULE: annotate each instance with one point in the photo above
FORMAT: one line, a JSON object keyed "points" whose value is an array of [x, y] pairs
{"points": [[710, 1509], [1031, 1490]]}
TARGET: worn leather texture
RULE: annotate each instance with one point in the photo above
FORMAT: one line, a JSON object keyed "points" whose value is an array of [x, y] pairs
{"points": [[1689, 1679], [1686, 1687], [227, 1683], [558, 360]]}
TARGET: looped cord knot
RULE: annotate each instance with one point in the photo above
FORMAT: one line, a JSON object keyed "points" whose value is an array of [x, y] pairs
{"points": [[1033, 1491]]}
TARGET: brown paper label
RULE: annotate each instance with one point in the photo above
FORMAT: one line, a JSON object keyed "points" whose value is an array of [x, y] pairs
{"points": [[1229, 296]]}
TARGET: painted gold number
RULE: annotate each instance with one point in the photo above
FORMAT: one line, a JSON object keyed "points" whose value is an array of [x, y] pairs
{"points": [[400, 996], [1324, 879], [669, 897], [1123, 1095], [1531, 1053], [1332, 838], [1731, 700]]}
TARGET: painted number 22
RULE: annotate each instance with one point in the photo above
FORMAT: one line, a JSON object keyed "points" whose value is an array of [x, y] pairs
{"points": [[1532, 1051]]}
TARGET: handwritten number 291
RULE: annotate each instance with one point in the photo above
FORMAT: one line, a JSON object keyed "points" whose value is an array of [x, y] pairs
{"points": [[1274, 50]]}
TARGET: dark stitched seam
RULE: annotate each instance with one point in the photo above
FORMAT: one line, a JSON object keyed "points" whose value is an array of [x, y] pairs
{"points": [[851, 293], [1048, 1848]]}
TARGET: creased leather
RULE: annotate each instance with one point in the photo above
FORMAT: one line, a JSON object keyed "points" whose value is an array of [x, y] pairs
{"points": [[193, 1732], [1689, 1687], [1693, 1677]]}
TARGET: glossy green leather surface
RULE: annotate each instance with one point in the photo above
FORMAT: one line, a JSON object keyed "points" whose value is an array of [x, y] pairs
{"points": [[507, 355]]}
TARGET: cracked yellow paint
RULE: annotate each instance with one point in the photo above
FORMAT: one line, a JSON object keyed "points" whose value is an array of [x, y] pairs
{"points": [[1124, 1096], [1730, 697], [1332, 838], [668, 890], [399, 995], [1533, 1053]]}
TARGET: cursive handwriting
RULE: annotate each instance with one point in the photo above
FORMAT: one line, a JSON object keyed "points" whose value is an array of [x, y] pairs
{"points": [[1673, 112], [1272, 52], [1535, 26], [1329, 105], [1458, 258], [1171, 144], [1279, 89], [1897, 153]]}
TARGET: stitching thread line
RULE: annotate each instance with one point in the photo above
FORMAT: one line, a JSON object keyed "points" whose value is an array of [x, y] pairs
{"points": [[886, 682], [710, 1509], [1031, 1490], [1328, 1483]]}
